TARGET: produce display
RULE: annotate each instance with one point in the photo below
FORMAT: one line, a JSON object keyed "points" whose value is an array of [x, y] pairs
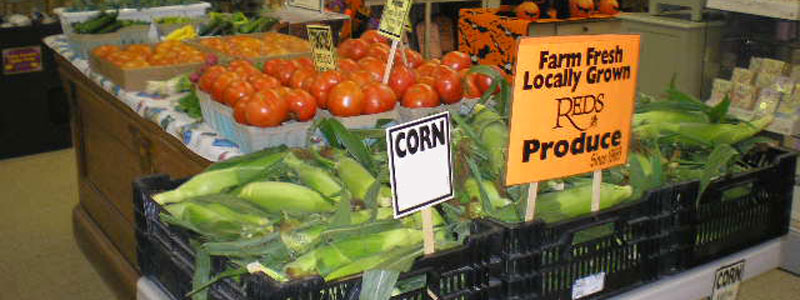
{"points": [[104, 22], [143, 56], [228, 24], [268, 44]]}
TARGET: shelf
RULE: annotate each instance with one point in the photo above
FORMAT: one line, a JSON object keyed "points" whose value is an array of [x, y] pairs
{"points": [[691, 284], [781, 9], [696, 283]]}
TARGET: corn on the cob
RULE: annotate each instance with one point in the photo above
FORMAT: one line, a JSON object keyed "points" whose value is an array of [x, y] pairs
{"points": [[274, 196], [216, 181], [577, 201], [473, 192], [315, 178], [355, 177], [326, 259]]}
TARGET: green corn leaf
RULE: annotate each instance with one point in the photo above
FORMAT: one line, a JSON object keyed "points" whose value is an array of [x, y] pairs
{"points": [[378, 284], [342, 215], [485, 202], [248, 159], [748, 144], [717, 164], [718, 112], [225, 274], [349, 142], [202, 273]]}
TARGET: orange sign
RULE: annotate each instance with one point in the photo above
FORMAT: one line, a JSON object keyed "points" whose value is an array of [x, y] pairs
{"points": [[572, 105]]}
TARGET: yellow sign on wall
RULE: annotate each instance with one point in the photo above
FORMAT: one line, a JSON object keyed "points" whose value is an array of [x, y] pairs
{"points": [[323, 52], [393, 19], [572, 105]]}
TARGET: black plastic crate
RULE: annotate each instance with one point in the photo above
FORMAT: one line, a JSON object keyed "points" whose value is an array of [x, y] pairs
{"points": [[464, 272], [740, 210], [543, 261]]}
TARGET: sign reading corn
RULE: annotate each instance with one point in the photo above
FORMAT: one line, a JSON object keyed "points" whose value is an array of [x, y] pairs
{"points": [[419, 163], [323, 52], [572, 105], [393, 19]]}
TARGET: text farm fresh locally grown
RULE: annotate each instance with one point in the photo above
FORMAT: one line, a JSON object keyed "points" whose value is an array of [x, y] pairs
{"points": [[572, 105]]}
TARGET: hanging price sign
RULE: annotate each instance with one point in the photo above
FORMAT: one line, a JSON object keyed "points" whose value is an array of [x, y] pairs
{"points": [[393, 20], [323, 51]]}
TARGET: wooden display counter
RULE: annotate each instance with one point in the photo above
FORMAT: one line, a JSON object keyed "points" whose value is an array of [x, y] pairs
{"points": [[114, 145]]}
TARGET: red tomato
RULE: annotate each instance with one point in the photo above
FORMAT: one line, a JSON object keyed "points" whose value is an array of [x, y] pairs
{"points": [[420, 95], [348, 65], [305, 62], [266, 109], [457, 60], [470, 86], [400, 79], [353, 49], [206, 81], [426, 69], [378, 98], [361, 77], [285, 73], [265, 82], [379, 51], [322, 84], [346, 99], [282, 91], [485, 82], [221, 83], [271, 67], [235, 91], [372, 36], [429, 80], [299, 76], [306, 86], [240, 108], [245, 71], [302, 105], [373, 66], [442, 70], [448, 86], [413, 58]]}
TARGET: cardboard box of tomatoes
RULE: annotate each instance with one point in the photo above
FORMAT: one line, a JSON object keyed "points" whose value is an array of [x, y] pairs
{"points": [[256, 47], [131, 66]]}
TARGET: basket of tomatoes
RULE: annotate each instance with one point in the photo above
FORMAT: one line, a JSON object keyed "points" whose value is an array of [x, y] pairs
{"points": [[254, 109], [131, 66], [421, 87], [257, 48]]}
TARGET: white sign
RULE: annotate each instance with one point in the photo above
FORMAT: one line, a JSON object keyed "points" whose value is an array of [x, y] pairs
{"points": [[727, 280], [588, 285], [420, 163]]}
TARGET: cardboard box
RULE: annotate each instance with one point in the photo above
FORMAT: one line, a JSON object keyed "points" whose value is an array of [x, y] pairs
{"points": [[136, 79]]}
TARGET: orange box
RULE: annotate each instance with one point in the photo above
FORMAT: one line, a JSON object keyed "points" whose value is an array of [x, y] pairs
{"points": [[572, 105], [136, 79]]}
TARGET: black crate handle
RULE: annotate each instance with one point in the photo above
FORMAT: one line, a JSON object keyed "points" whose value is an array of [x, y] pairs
{"points": [[569, 234]]}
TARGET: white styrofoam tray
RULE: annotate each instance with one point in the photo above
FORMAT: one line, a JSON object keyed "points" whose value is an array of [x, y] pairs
{"points": [[145, 14]]}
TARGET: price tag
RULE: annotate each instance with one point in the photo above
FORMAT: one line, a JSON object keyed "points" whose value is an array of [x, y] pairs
{"points": [[308, 4], [393, 20], [588, 285], [323, 51], [727, 280], [420, 164]]}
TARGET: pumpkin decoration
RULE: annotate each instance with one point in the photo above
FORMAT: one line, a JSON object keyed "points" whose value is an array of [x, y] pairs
{"points": [[528, 11], [608, 7], [581, 8]]}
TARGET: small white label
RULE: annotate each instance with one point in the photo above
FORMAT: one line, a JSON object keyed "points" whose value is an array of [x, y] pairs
{"points": [[420, 167], [727, 280], [588, 285]]}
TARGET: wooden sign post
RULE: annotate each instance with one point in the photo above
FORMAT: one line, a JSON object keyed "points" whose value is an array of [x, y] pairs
{"points": [[392, 26], [571, 109], [420, 169]]}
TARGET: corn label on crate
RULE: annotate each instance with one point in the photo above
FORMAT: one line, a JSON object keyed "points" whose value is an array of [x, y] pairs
{"points": [[628, 245], [740, 210], [464, 272]]}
